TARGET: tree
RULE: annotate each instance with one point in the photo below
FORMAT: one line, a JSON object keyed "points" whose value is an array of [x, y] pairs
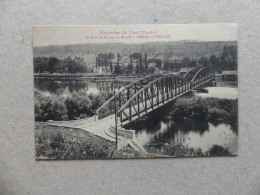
{"points": [[111, 66], [229, 58], [214, 60], [49, 108], [136, 55], [167, 65], [119, 58], [130, 68], [119, 69], [140, 67], [216, 150], [137, 69], [158, 63], [186, 61], [193, 63], [204, 61], [53, 64], [110, 56], [79, 103], [151, 70], [145, 62]]}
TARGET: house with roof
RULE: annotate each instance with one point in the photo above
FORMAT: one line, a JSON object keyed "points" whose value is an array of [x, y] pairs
{"points": [[183, 71], [229, 75]]}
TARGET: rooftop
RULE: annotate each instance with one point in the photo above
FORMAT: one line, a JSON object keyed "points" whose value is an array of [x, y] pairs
{"points": [[229, 72], [184, 70]]}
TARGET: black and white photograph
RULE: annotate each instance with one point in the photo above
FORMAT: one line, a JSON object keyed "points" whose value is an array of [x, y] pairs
{"points": [[135, 91]]}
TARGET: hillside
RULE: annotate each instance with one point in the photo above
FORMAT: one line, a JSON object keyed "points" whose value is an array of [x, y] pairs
{"points": [[178, 49]]}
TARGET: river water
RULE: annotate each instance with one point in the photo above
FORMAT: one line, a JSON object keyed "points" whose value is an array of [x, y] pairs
{"points": [[154, 131], [162, 135], [66, 88]]}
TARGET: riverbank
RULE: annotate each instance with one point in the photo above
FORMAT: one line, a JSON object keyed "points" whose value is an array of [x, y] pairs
{"points": [[69, 143], [190, 126], [82, 77], [53, 142]]}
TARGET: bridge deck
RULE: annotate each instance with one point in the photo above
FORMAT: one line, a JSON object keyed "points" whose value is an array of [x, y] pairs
{"points": [[162, 102]]}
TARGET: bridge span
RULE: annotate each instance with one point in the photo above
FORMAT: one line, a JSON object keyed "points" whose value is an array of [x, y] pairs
{"points": [[136, 100], [152, 92]]}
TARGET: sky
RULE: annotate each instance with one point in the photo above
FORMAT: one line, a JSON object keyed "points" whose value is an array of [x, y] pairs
{"points": [[140, 33]]}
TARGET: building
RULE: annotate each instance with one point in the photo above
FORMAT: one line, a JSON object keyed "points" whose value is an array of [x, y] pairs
{"points": [[229, 75], [183, 71], [152, 64]]}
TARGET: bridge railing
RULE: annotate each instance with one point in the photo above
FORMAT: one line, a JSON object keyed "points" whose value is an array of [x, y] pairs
{"points": [[122, 96], [191, 72], [203, 75], [159, 92], [152, 91], [153, 95]]}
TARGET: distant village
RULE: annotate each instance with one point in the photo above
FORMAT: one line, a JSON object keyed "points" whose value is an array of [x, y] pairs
{"points": [[137, 64]]}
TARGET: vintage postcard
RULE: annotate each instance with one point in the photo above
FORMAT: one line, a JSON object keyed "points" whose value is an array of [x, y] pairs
{"points": [[135, 91]]}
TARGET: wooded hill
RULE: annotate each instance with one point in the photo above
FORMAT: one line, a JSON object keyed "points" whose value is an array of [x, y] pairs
{"points": [[174, 50]]}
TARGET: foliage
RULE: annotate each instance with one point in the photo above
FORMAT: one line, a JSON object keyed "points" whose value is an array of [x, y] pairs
{"points": [[99, 100], [129, 68], [229, 58], [127, 152], [190, 109], [53, 64], [204, 61], [186, 61], [193, 63], [217, 150], [118, 69], [167, 65], [78, 105], [49, 108], [119, 58], [69, 143], [212, 109]]}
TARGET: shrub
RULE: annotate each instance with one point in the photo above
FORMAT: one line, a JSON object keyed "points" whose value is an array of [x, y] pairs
{"points": [[189, 109], [216, 114], [49, 108], [213, 109], [78, 103], [217, 150], [97, 100]]}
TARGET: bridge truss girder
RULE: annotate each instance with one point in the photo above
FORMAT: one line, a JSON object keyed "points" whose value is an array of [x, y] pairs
{"points": [[149, 93]]}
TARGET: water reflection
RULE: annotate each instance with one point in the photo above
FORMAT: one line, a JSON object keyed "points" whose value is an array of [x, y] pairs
{"points": [[160, 134], [67, 87]]}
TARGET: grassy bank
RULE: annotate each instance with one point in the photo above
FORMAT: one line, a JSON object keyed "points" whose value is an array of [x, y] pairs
{"points": [[179, 150], [53, 142], [69, 143]]}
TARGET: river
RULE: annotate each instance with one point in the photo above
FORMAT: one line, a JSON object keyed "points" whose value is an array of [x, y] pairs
{"points": [[155, 132], [162, 135], [66, 88]]}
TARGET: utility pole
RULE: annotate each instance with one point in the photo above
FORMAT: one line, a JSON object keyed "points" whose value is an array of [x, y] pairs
{"points": [[115, 114]]}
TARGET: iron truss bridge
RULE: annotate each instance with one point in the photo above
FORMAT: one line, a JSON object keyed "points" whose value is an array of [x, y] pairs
{"points": [[152, 92]]}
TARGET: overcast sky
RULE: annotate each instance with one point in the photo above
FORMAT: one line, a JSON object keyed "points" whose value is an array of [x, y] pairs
{"points": [[67, 35]]}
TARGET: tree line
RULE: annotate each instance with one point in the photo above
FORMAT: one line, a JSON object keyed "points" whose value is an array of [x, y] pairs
{"points": [[53, 64], [78, 105], [226, 61], [139, 64]]}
